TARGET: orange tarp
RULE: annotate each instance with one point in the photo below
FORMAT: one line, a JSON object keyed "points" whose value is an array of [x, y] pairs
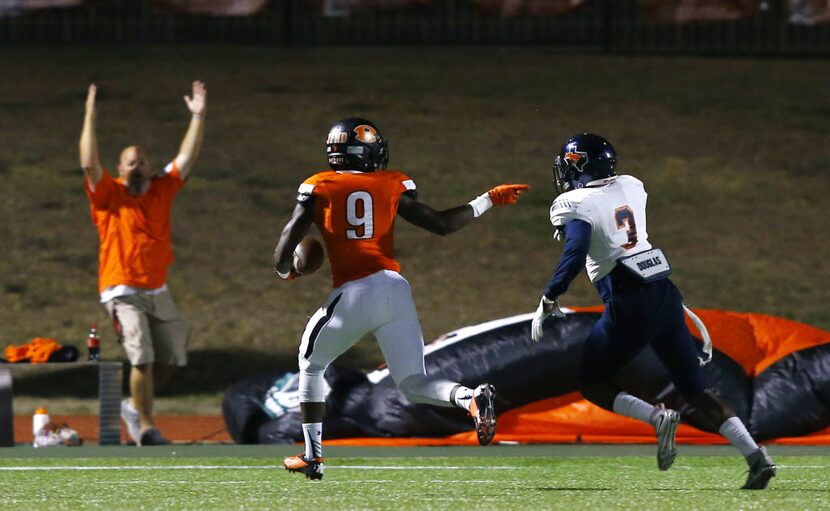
{"points": [[575, 422], [755, 341]]}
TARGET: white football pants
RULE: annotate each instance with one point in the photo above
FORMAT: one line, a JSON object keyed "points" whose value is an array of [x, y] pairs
{"points": [[381, 304]]}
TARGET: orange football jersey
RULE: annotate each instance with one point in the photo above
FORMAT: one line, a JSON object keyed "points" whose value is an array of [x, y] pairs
{"points": [[355, 212]]}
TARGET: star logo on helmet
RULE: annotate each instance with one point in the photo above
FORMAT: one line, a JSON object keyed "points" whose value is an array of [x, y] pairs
{"points": [[577, 158], [366, 134]]}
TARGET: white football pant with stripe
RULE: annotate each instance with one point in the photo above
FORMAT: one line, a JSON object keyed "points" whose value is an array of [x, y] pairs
{"points": [[381, 304]]}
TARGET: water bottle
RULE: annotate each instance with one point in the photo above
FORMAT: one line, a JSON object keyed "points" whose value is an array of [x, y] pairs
{"points": [[39, 419], [93, 345]]}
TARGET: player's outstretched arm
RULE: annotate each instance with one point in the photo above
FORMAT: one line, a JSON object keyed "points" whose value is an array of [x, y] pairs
{"points": [[90, 162], [437, 222], [453, 219], [294, 231], [192, 142], [577, 235]]}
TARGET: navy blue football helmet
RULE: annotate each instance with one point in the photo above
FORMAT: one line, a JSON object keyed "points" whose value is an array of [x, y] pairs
{"points": [[356, 144], [584, 158]]}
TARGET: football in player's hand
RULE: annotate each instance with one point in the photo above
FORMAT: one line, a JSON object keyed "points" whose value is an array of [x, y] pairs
{"points": [[308, 256]]}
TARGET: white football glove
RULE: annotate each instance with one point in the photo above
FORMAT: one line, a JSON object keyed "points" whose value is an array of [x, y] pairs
{"points": [[546, 308], [559, 233]]}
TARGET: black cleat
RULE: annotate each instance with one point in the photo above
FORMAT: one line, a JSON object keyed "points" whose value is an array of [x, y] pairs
{"points": [[761, 470], [483, 411]]}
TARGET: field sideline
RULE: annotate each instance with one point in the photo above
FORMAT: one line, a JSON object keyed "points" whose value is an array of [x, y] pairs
{"points": [[497, 477]]}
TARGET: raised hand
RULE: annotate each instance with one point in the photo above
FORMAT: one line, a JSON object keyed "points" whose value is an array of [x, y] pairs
{"points": [[506, 194], [90, 97], [198, 102], [89, 143], [192, 142]]}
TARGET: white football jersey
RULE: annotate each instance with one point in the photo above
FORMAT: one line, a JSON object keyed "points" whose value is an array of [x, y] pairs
{"points": [[617, 214]]}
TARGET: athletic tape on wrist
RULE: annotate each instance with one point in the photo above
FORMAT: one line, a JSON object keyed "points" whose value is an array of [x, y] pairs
{"points": [[481, 204]]}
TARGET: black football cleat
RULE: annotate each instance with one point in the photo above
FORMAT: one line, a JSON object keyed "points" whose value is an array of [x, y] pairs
{"points": [[761, 470], [483, 411]]}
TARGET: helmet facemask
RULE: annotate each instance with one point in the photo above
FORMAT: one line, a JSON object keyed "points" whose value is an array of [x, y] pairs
{"points": [[562, 174], [381, 156]]}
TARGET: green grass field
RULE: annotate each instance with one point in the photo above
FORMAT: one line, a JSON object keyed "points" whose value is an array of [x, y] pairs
{"points": [[498, 477]]}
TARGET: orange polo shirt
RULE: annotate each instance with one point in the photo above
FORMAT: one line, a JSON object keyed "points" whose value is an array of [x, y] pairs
{"points": [[134, 232]]}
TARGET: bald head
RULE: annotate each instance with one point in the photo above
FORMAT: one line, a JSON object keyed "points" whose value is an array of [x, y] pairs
{"points": [[134, 169]]}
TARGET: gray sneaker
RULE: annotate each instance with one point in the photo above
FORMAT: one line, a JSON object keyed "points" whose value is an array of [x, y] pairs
{"points": [[153, 436], [665, 421], [761, 470], [130, 417]]}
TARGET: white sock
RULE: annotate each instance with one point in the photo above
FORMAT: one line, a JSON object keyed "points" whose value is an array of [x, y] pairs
{"points": [[634, 407], [461, 397], [313, 434], [734, 430]]}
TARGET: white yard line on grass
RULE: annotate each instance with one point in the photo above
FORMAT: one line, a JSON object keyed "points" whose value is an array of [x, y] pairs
{"points": [[139, 467], [423, 467], [240, 467]]}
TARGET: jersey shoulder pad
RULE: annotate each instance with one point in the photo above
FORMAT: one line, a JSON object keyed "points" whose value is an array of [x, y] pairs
{"points": [[626, 179], [569, 206], [306, 189], [397, 176], [632, 185]]}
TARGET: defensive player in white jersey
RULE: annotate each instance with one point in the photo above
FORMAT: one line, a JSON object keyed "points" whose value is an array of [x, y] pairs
{"points": [[602, 217], [355, 205]]}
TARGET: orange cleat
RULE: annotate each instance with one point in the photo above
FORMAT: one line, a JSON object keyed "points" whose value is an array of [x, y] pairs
{"points": [[311, 469]]}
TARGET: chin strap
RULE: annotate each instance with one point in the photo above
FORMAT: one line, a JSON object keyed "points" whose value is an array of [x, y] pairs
{"points": [[707, 340]]}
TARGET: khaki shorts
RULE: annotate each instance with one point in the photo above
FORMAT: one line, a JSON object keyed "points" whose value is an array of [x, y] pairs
{"points": [[150, 328]]}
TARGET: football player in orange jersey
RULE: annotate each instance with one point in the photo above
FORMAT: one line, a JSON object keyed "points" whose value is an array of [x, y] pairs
{"points": [[354, 206]]}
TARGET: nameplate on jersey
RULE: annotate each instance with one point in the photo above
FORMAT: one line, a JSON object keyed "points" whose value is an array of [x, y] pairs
{"points": [[650, 265]]}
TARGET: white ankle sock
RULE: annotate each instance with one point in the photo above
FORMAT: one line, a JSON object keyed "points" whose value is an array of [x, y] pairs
{"points": [[734, 430], [461, 397], [313, 434], [634, 407]]}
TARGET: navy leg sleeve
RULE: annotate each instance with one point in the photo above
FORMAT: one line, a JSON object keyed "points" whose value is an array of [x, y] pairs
{"points": [[677, 349], [607, 349]]}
